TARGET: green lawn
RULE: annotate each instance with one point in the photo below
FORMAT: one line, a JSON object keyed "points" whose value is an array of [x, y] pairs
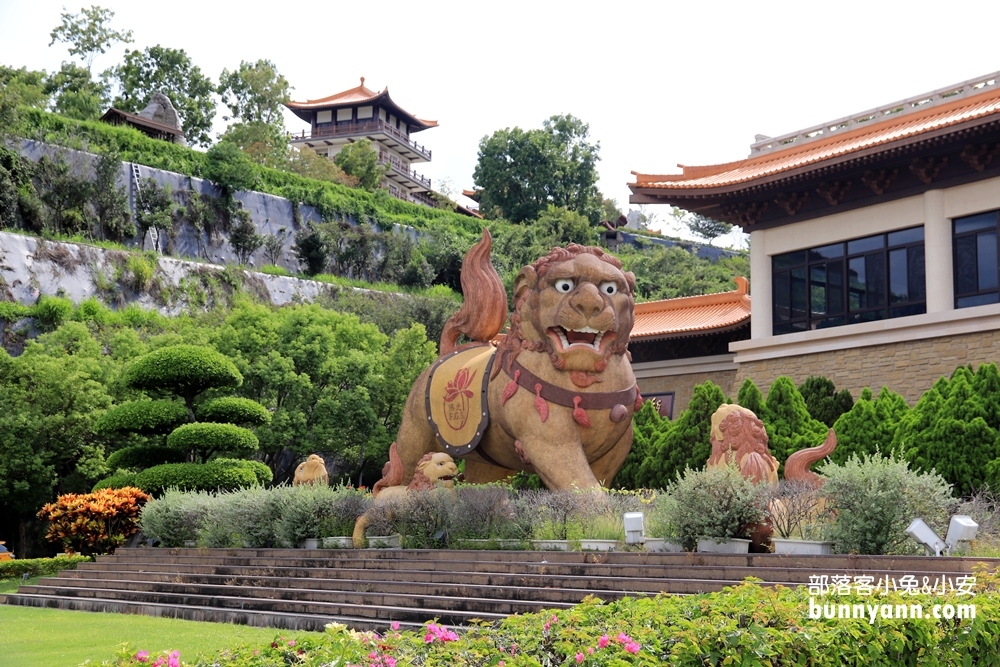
{"points": [[31, 637]]}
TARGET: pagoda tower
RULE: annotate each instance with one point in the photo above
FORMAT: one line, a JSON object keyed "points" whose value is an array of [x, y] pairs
{"points": [[362, 113]]}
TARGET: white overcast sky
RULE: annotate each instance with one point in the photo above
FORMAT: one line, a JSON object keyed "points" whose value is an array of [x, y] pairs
{"points": [[660, 83]]}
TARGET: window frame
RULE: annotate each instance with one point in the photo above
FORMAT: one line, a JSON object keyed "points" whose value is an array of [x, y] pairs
{"points": [[814, 288], [980, 296]]}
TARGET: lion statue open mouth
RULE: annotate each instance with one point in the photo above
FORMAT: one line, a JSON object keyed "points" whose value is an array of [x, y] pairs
{"points": [[555, 397]]}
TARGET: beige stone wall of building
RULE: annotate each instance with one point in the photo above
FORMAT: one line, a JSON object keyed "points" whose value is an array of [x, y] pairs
{"points": [[683, 385], [908, 368]]}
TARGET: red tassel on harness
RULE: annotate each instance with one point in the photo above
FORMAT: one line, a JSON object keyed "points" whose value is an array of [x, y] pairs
{"points": [[579, 414], [540, 404], [510, 389]]}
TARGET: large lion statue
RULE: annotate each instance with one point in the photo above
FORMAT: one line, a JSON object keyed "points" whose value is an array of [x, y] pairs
{"points": [[436, 470], [554, 397]]}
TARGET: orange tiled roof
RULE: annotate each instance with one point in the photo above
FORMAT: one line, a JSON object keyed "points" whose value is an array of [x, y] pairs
{"points": [[358, 95], [692, 315], [879, 133]]}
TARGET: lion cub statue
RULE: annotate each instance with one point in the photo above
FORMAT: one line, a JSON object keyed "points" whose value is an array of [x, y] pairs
{"points": [[433, 471], [311, 471], [554, 397]]}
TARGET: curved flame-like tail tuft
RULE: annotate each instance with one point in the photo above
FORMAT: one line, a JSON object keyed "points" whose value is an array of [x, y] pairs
{"points": [[392, 472], [797, 465], [484, 308]]}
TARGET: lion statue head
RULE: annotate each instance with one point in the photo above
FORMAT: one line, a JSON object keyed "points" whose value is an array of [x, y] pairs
{"points": [[576, 305], [433, 470], [739, 436]]}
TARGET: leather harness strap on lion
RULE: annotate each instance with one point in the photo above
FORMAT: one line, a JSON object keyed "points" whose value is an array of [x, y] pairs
{"points": [[557, 396]]}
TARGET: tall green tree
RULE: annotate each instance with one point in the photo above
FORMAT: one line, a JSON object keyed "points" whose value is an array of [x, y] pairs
{"points": [[75, 94], [170, 71], [522, 172], [360, 160], [254, 93], [88, 33], [706, 228]]}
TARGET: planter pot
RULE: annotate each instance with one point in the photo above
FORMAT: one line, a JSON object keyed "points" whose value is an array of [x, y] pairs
{"points": [[338, 542], [310, 543], [386, 542], [731, 546], [550, 545], [600, 545], [801, 547], [665, 545]]}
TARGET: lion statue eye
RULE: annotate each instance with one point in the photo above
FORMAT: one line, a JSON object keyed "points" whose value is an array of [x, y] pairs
{"points": [[565, 285], [608, 288]]}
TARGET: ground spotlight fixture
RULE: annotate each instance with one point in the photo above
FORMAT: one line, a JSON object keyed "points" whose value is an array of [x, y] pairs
{"points": [[635, 528], [961, 529]]}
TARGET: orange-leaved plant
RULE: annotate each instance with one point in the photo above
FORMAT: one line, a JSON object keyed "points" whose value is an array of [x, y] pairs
{"points": [[97, 522]]}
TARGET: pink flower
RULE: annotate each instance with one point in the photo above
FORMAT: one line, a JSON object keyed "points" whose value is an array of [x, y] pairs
{"points": [[632, 647], [142, 656], [545, 627], [579, 658], [428, 638], [623, 638], [291, 642], [175, 659], [603, 641], [159, 662], [389, 661], [501, 663], [554, 619], [395, 625], [590, 650]]}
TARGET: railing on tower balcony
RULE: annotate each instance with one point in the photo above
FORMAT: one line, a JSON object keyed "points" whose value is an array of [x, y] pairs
{"points": [[403, 168], [363, 127]]}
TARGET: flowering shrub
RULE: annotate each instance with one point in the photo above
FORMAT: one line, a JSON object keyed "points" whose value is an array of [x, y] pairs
{"points": [[94, 522]]}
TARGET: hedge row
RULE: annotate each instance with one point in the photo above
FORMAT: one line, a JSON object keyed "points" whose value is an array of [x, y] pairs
{"points": [[39, 567]]}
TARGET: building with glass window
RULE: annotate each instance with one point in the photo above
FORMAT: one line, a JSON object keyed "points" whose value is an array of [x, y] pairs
{"points": [[873, 241], [361, 113]]}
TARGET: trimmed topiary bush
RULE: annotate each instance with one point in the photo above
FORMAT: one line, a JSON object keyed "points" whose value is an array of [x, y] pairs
{"points": [[750, 398], [221, 475], [234, 410], [788, 423], [869, 425], [138, 457], [203, 440], [143, 417], [186, 370]]}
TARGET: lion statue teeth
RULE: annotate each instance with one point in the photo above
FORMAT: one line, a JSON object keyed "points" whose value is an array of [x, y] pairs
{"points": [[559, 383]]}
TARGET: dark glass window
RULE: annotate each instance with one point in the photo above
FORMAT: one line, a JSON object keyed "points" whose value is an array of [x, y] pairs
{"points": [[977, 279], [871, 278]]}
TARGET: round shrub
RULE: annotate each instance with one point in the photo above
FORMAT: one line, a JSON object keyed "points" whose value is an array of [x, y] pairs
{"points": [[195, 477], [875, 497], [233, 410], [52, 311], [206, 439], [263, 473], [174, 518], [117, 481], [143, 417], [144, 456], [718, 503], [187, 370]]}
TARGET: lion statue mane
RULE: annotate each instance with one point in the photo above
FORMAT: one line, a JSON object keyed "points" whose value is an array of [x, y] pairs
{"points": [[560, 392]]}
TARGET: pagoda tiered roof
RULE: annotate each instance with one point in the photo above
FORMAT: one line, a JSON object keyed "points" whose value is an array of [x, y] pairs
{"points": [[358, 96]]}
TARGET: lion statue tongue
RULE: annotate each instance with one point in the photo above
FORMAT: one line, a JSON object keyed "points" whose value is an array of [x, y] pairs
{"points": [[555, 397]]}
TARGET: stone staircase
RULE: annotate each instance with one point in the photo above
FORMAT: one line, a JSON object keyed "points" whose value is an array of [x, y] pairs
{"points": [[371, 588]]}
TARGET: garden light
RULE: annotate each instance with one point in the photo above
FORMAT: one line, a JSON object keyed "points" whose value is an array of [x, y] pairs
{"points": [[635, 528], [961, 529]]}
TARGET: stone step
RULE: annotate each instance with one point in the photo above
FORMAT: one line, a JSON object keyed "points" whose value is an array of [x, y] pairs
{"points": [[375, 569], [372, 613], [251, 617], [837, 562], [543, 590], [457, 600]]}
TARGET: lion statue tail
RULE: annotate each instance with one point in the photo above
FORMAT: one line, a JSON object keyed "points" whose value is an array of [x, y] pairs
{"points": [[484, 308], [797, 465], [392, 472]]}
